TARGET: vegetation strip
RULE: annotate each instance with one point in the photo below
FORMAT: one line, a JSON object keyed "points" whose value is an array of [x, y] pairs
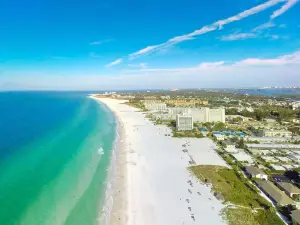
{"points": [[244, 204]]}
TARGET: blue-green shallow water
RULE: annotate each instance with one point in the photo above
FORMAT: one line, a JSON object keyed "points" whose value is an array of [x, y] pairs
{"points": [[52, 171]]}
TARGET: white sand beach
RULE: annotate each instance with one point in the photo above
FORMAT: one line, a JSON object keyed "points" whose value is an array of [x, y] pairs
{"points": [[153, 183]]}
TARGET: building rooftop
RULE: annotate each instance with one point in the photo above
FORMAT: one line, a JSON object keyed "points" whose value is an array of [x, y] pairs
{"points": [[253, 170], [296, 216], [288, 166], [227, 142], [268, 139], [233, 150], [280, 178], [289, 187], [283, 159], [243, 157], [278, 196], [277, 167], [294, 146], [269, 158]]}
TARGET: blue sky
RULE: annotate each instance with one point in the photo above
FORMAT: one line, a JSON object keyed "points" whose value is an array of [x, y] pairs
{"points": [[114, 44]]}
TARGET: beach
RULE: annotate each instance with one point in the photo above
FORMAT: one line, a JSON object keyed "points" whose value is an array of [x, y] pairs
{"points": [[152, 183]]}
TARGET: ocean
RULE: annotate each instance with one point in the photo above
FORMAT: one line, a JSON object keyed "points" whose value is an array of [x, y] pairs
{"points": [[55, 151]]}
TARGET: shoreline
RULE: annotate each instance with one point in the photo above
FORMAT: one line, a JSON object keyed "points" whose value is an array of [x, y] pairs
{"points": [[115, 202], [152, 183]]}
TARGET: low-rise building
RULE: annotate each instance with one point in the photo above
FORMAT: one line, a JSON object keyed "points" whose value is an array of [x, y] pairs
{"points": [[232, 150], [295, 105], [273, 146], [162, 116], [184, 122], [295, 120], [219, 137], [267, 139], [243, 157], [274, 193], [280, 178], [283, 159], [159, 107], [269, 159], [277, 167], [228, 144], [275, 133], [255, 172], [295, 157], [289, 189], [288, 166], [295, 215], [165, 97]]}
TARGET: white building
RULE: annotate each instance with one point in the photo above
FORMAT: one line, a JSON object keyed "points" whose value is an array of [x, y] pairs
{"points": [[255, 172], [267, 139], [201, 115], [219, 137], [217, 115], [295, 105], [228, 144], [160, 107], [184, 122], [274, 133], [295, 157], [204, 115], [242, 156], [277, 167], [241, 108], [273, 146], [269, 159], [174, 111]]}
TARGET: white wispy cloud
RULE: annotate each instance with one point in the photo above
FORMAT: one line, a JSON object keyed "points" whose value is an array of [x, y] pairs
{"points": [[289, 4], [256, 32], [206, 29], [264, 26], [101, 42], [272, 36], [238, 36], [288, 59], [140, 65], [116, 62], [204, 66], [143, 51]]}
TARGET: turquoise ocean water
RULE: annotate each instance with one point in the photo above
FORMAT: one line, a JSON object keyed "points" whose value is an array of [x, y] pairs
{"points": [[55, 150]]}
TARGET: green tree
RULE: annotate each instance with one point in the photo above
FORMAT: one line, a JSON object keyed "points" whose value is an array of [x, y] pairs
{"points": [[260, 114], [219, 126], [241, 143], [237, 120], [231, 111]]}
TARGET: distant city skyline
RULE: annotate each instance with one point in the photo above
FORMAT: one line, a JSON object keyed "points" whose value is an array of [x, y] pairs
{"points": [[94, 45]]}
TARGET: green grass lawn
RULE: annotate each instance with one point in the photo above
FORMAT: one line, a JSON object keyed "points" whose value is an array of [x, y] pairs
{"points": [[240, 216], [238, 191]]}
